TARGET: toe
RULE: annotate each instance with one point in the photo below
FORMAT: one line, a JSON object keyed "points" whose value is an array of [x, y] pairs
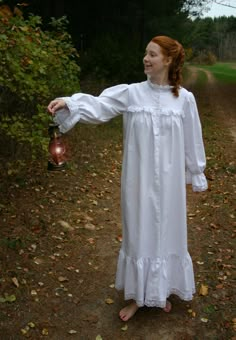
{"points": [[168, 307]]}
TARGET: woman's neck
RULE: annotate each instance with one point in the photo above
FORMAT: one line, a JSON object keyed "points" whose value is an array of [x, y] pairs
{"points": [[160, 80]]}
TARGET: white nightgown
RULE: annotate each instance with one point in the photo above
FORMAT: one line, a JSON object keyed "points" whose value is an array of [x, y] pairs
{"points": [[163, 150]]}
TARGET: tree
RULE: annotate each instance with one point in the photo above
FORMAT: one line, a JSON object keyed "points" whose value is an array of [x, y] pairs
{"points": [[217, 36], [132, 18], [106, 32], [225, 3]]}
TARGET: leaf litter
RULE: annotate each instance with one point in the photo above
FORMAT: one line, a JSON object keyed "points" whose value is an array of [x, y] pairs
{"points": [[68, 227]]}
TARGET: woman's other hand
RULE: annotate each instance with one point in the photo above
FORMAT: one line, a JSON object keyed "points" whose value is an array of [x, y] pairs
{"points": [[56, 105]]}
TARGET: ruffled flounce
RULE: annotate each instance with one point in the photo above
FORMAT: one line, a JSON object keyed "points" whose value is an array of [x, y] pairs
{"points": [[150, 282], [156, 111], [67, 118]]}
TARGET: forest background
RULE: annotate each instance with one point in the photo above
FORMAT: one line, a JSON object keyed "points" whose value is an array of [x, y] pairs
{"points": [[60, 231], [48, 47]]}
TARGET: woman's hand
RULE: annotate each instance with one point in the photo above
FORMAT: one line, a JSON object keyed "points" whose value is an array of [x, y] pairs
{"points": [[55, 105]]}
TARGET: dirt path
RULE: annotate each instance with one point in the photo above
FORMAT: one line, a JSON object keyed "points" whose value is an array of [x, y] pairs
{"points": [[220, 97], [61, 233], [193, 75]]}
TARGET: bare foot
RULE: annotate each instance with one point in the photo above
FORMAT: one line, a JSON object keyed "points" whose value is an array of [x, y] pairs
{"points": [[168, 307], [127, 312]]}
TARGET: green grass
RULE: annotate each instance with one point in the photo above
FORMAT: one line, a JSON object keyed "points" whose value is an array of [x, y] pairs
{"points": [[201, 78], [224, 72]]}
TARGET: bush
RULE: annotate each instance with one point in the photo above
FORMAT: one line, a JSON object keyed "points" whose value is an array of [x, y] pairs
{"points": [[35, 67], [205, 58]]}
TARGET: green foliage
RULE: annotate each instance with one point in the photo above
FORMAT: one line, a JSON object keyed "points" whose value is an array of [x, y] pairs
{"points": [[7, 298], [12, 243], [29, 131], [35, 67], [188, 54], [204, 58]]}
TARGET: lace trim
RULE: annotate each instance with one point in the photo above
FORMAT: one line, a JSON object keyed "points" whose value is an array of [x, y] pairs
{"points": [[149, 281], [199, 189], [198, 181], [158, 303], [159, 87]]}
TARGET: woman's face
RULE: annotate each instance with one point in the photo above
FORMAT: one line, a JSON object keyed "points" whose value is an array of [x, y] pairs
{"points": [[155, 63]]}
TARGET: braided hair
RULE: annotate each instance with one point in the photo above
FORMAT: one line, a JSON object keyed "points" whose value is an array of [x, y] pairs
{"points": [[172, 48]]}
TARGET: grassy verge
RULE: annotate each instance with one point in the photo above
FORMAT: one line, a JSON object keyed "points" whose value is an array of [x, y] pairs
{"points": [[224, 72]]}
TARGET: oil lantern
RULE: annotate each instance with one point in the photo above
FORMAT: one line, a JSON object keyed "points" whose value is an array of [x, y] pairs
{"points": [[56, 149]]}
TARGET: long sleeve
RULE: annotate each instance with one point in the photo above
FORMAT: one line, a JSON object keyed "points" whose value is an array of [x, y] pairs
{"points": [[86, 108], [195, 158]]}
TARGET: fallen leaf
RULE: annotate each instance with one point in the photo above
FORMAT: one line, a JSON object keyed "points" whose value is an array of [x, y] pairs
{"points": [[191, 215], [124, 328], [31, 324], [220, 286], [214, 226], [203, 290], [199, 262], [38, 261], [24, 331], [15, 281], [109, 301], [33, 247], [98, 337], [45, 331], [119, 238], [89, 226], [204, 319], [62, 279], [234, 324], [72, 331], [65, 225], [91, 318]]}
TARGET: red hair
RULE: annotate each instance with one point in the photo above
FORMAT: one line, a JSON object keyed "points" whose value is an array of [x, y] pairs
{"points": [[172, 48]]}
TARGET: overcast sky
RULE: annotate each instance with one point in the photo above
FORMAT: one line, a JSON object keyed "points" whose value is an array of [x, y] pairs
{"points": [[220, 10]]}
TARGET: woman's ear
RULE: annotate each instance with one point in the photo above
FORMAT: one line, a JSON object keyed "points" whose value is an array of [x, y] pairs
{"points": [[168, 61]]}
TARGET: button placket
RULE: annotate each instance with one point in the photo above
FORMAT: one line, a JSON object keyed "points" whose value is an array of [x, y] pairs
{"points": [[156, 133]]}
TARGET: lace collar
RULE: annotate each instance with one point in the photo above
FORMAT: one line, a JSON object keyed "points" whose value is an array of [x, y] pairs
{"points": [[159, 87]]}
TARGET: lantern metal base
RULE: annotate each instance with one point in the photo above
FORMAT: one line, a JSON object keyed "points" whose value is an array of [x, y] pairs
{"points": [[56, 167]]}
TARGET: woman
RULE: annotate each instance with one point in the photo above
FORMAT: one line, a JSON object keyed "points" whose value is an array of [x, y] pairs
{"points": [[163, 150]]}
